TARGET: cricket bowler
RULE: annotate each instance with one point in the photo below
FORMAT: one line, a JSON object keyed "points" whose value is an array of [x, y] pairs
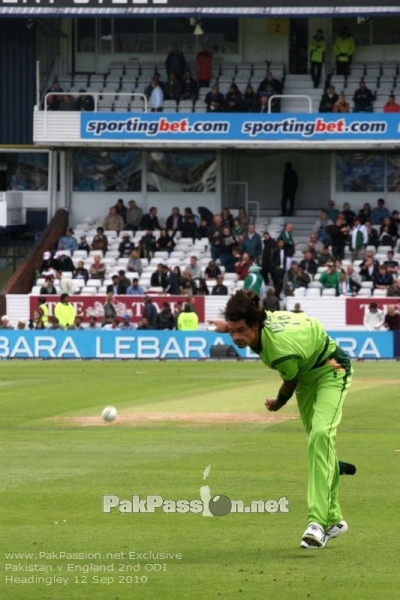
{"points": [[312, 365]]}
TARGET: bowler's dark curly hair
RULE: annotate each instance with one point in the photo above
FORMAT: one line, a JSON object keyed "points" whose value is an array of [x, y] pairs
{"points": [[245, 304]]}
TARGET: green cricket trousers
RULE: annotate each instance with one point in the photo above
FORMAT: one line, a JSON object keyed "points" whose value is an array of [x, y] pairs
{"points": [[320, 396]]}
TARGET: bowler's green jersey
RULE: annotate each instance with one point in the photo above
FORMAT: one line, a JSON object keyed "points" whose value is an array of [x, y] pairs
{"points": [[294, 344]]}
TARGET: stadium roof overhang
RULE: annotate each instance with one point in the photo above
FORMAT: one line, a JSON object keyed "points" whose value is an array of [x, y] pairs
{"points": [[160, 8]]}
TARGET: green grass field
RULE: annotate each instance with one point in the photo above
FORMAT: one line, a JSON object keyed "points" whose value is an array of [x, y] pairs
{"points": [[58, 458]]}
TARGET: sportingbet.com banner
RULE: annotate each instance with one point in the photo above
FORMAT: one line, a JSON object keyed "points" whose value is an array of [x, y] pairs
{"points": [[162, 345], [253, 127]]}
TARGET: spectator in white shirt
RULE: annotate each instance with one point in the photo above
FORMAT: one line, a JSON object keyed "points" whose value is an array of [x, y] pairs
{"points": [[156, 96], [373, 317]]}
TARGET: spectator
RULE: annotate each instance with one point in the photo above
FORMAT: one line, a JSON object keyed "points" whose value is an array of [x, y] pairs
{"points": [[83, 245], [144, 324], [219, 289], [212, 270], [80, 272], [175, 282], [380, 212], [21, 324], [48, 287], [243, 217], [394, 289], [373, 235], [175, 62], [214, 100], [54, 104], [64, 311], [252, 243], [203, 231], [135, 263], [47, 263], [147, 245], [287, 238], [363, 99], [329, 278], [135, 289], [202, 288], [156, 96], [165, 318], [5, 323], [348, 214], [325, 257], [206, 215], [97, 269], [188, 287], [391, 264], [172, 89], [66, 284], [328, 100], [243, 266], [77, 325], [264, 104], [346, 286], [297, 308], [187, 319], [391, 105], [54, 323], [392, 319], [150, 312], [92, 322], [113, 221], [67, 241], [149, 221], [344, 48], [123, 279], [159, 278], [289, 187], [280, 262], [63, 263], [226, 217], [249, 100], [369, 270], [385, 239], [338, 233], [382, 279], [165, 241], [51, 102], [67, 102], [355, 277], [331, 211], [314, 246], [295, 278], [204, 60], [188, 228], [126, 324], [365, 212], [320, 227], [271, 302], [270, 80], [110, 312], [317, 48], [121, 209], [194, 268], [189, 87], [233, 99], [358, 239], [134, 215], [116, 287], [309, 265], [341, 106], [175, 219], [100, 240], [126, 246], [85, 102], [373, 317]]}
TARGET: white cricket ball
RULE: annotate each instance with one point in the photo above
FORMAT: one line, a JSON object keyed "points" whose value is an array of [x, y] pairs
{"points": [[109, 413]]}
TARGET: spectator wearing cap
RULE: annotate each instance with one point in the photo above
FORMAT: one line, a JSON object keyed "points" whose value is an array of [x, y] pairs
{"points": [[165, 318], [113, 221], [330, 278], [5, 323], [67, 241], [126, 324], [126, 246], [47, 262], [83, 245], [116, 287], [134, 215], [85, 102], [159, 278], [135, 289]]}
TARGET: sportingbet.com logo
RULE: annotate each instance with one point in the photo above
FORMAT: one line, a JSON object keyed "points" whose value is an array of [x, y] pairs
{"points": [[207, 505]]}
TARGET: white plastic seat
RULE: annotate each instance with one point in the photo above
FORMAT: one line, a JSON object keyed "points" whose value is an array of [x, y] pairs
{"points": [[315, 284], [328, 292], [93, 283], [313, 292], [364, 293], [367, 285]]}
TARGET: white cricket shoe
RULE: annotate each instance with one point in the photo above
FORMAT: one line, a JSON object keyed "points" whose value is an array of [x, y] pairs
{"points": [[313, 537], [336, 530]]}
